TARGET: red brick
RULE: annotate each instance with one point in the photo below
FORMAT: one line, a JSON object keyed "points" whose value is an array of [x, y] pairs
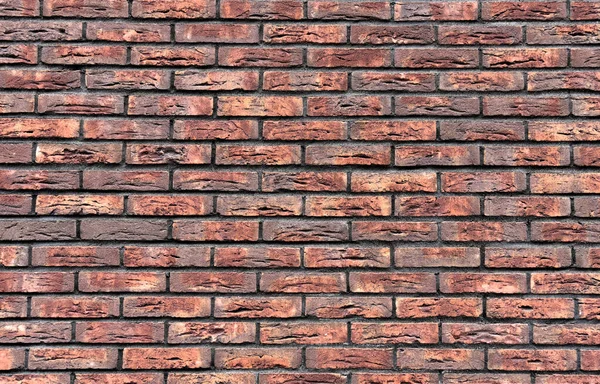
{"points": [[525, 107], [75, 256], [129, 32], [465, 282], [122, 281], [356, 154], [341, 10], [392, 34], [260, 57], [196, 256], [349, 358], [525, 10], [484, 231], [564, 282], [527, 206], [197, 57], [587, 257], [303, 283], [329, 257], [486, 378], [349, 106], [213, 282], [161, 306], [524, 58], [215, 230], [259, 205], [584, 10], [409, 156], [170, 105], [437, 257], [257, 358], [537, 308], [15, 204], [529, 257], [82, 55], [440, 359], [483, 182], [436, 206], [251, 308], [15, 153], [480, 34], [211, 130], [13, 256], [258, 154], [559, 334], [385, 130], [424, 307], [168, 154], [347, 306], [282, 378], [127, 79], [85, 8], [125, 180], [472, 333], [303, 333], [72, 358], [49, 378], [304, 181], [166, 358], [436, 58], [437, 106], [383, 81], [75, 307], [180, 9], [430, 11], [109, 332], [43, 332], [257, 257], [78, 153], [259, 106], [262, 9], [482, 81], [394, 231], [344, 57], [165, 205], [394, 333], [564, 182], [222, 333], [380, 282], [211, 378], [46, 80], [215, 81], [124, 229], [216, 33], [567, 379], [11, 359], [117, 378], [215, 181], [19, 7], [125, 129], [394, 378], [304, 33], [13, 307], [532, 360], [305, 81], [304, 130], [40, 30], [18, 54], [488, 130]]}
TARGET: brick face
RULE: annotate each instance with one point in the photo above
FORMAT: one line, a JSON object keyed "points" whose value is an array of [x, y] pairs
{"points": [[299, 191]]}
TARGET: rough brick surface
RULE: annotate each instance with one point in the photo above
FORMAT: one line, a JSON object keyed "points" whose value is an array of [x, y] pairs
{"points": [[299, 191]]}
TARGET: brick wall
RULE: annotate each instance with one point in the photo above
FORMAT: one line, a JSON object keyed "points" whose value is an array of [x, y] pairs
{"points": [[299, 192]]}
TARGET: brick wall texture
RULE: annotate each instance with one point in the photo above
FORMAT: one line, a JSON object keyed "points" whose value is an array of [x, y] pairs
{"points": [[299, 192]]}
